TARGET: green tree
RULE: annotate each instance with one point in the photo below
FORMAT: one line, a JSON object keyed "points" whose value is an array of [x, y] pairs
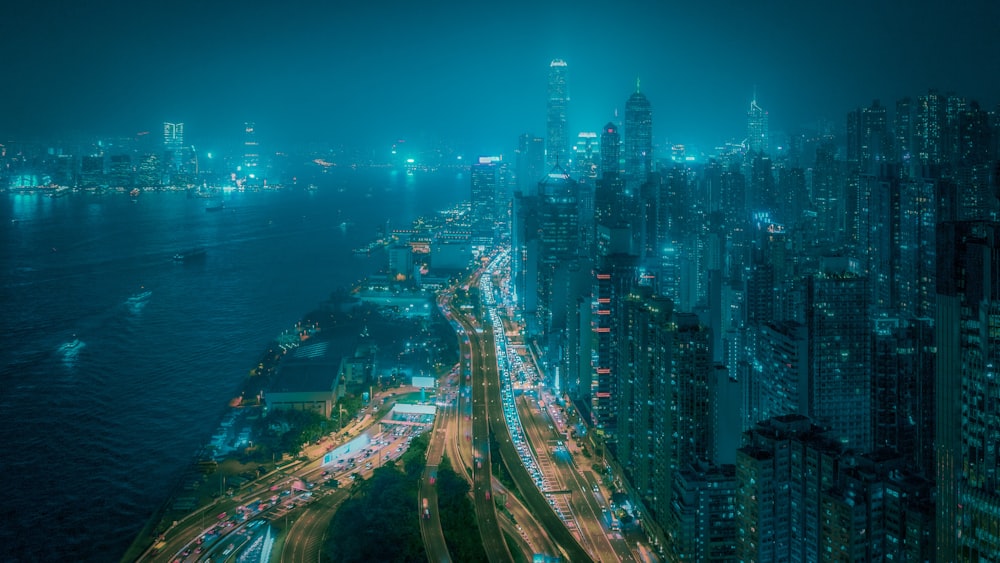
{"points": [[378, 522]]}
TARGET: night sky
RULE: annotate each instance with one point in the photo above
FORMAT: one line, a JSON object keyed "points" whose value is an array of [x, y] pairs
{"points": [[474, 73]]}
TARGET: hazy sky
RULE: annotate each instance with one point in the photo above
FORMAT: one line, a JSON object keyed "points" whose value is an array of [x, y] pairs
{"points": [[475, 73]]}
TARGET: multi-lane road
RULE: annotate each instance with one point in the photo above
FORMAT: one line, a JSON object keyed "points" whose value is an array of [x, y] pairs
{"points": [[565, 517]]}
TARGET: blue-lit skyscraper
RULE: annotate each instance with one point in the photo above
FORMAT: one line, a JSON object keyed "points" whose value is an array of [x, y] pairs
{"points": [[757, 130], [529, 163], [484, 196], [557, 130], [638, 138], [173, 145]]}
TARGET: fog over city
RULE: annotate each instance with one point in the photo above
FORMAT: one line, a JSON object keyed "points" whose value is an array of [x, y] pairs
{"points": [[665, 282], [473, 74]]}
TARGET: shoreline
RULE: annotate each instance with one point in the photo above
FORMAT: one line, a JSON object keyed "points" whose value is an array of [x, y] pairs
{"points": [[210, 476]]}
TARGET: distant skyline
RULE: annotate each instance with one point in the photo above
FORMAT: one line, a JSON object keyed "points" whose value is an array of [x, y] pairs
{"points": [[476, 75]]}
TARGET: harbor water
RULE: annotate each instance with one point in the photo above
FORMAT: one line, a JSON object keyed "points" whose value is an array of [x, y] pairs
{"points": [[117, 359]]}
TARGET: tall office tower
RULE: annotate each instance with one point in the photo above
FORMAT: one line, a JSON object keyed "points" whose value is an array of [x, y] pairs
{"points": [[251, 151], [758, 136], [928, 129], [701, 525], [524, 241], [530, 163], [484, 196], [610, 151], [173, 145], [612, 205], [967, 336], [638, 138], [557, 130], [91, 171], [586, 154], [120, 171], [149, 171], [840, 352], [646, 326], [903, 130], [559, 247]]}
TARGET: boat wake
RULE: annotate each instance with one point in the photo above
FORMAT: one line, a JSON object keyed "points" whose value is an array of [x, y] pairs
{"points": [[70, 351], [138, 302]]}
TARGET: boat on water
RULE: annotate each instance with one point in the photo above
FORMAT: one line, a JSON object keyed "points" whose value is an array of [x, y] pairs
{"points": [[189, 255], [215, 206]]}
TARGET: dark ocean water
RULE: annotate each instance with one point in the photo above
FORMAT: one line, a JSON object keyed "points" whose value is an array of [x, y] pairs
{"points": [[116, 362]]}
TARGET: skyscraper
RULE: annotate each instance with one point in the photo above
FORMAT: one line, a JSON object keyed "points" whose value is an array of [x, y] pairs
{"points": [[585, 155], [251, 150], [638, 138], [840, 352], [557, 139], [967, 335], [903, 129], [610, 151], [173, 136], [929, 128], [484, 196], [529, 163], [757, 132], [173, 145]]}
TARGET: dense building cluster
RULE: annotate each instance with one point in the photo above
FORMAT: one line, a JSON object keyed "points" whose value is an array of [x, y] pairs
{"points": [[788, 349]]}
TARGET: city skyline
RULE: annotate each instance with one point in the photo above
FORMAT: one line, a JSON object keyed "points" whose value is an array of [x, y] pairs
{"points": [[310, 73]]}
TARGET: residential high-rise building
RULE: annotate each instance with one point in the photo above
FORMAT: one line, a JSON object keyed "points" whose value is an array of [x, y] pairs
{"points": [[869, 140], [928, 128], [800, 496], [758, 136], [903, 130], [779, 371], [557, 130], [682, 415], [701, 524], [643, 336], [638, 138], [840, 352], [967, 337]]}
